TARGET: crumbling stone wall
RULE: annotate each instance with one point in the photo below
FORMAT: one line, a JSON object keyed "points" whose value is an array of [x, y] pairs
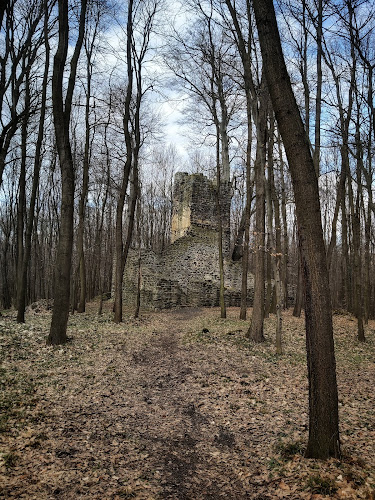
{"points": [[195, 207], [186, 273]]}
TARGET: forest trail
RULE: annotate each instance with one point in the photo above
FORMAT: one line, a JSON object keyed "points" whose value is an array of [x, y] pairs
{"points": [[175, 405], [174, 423]]}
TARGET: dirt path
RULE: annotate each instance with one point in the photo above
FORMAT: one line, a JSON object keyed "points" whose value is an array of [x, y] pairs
{"points": [[185, 443], [174, 406]]}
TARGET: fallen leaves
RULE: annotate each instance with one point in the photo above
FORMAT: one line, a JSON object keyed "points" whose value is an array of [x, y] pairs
{"points": [[157, 408]]}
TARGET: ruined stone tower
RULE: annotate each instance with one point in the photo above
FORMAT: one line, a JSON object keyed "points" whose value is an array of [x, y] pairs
{"points": [[195, 207], [186, 273]]}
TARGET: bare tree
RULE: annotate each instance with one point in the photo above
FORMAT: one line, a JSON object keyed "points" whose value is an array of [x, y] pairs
{"points": [[323, 398], [61, 112], [24, 262], [274, 235], [95, 13], [23, 39], [135, 58], [202, 61]]}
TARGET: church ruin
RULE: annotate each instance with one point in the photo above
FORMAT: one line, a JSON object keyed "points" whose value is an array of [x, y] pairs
{"points": [[186, 273]]}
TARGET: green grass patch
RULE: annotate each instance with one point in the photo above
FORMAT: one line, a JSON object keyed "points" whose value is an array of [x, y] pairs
{"points": [[9, 459], [288, 450], [321, 485]]}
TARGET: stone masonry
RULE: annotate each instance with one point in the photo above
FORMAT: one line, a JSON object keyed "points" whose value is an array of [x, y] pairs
{"points": [[186, 273]]}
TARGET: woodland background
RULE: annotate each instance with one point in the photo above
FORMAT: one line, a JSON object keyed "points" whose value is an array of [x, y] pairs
{"points": [[186, 64]]}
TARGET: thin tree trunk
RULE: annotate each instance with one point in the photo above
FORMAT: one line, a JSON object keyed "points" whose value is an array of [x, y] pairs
{"points": [[299, 292], [285, 257], [139, 274], [319, 80], [22, 286], [6, 297], [255, 331], [339, 199], [100, 230], [274, 260], [21, 206], [268, 303], [345, 118], [368, 177], [275, 239], [219, 189], [83, 199], [247, 213], [356, 218], [345, 273], [119, 264], [304, 69]]}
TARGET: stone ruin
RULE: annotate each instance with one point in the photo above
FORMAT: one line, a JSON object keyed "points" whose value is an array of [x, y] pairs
{"points": [[186, 273]]}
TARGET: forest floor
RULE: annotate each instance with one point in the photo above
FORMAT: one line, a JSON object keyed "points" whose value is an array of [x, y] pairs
{"points": [[176, 405]]}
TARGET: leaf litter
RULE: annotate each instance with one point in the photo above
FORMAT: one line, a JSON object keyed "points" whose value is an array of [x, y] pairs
{"points": [[176, 405]]}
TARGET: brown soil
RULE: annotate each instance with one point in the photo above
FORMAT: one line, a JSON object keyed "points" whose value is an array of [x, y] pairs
{"points": [[176, 405]]}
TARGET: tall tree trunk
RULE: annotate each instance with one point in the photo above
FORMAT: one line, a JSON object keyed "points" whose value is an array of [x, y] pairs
{"points": [[133, 142], [285, 251], [85, 186], [21, 206], [323, 398], [345, 264], [6, 297], [345, 118], [245, 253], [268, 302], [219, 192], [139, 263], [246, 240], [275, 238], [356, 221], [102, 214], [368, 177], [22, 285], [319, 80], [255, 331], [304, 68], [299, 292], [119, 264], [61, 117]]}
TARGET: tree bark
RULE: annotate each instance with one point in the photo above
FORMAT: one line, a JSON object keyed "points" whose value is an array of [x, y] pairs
{"points": [[219, 189], [61, 115], [120, 264], [285, 256], [133, 142], [319, 81], [21, 206], [255, 331], [356, 223], [323, 398], [15, 64], [275, 239], [298, 304], [85, 186], [22, 285], [246, 240]]}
